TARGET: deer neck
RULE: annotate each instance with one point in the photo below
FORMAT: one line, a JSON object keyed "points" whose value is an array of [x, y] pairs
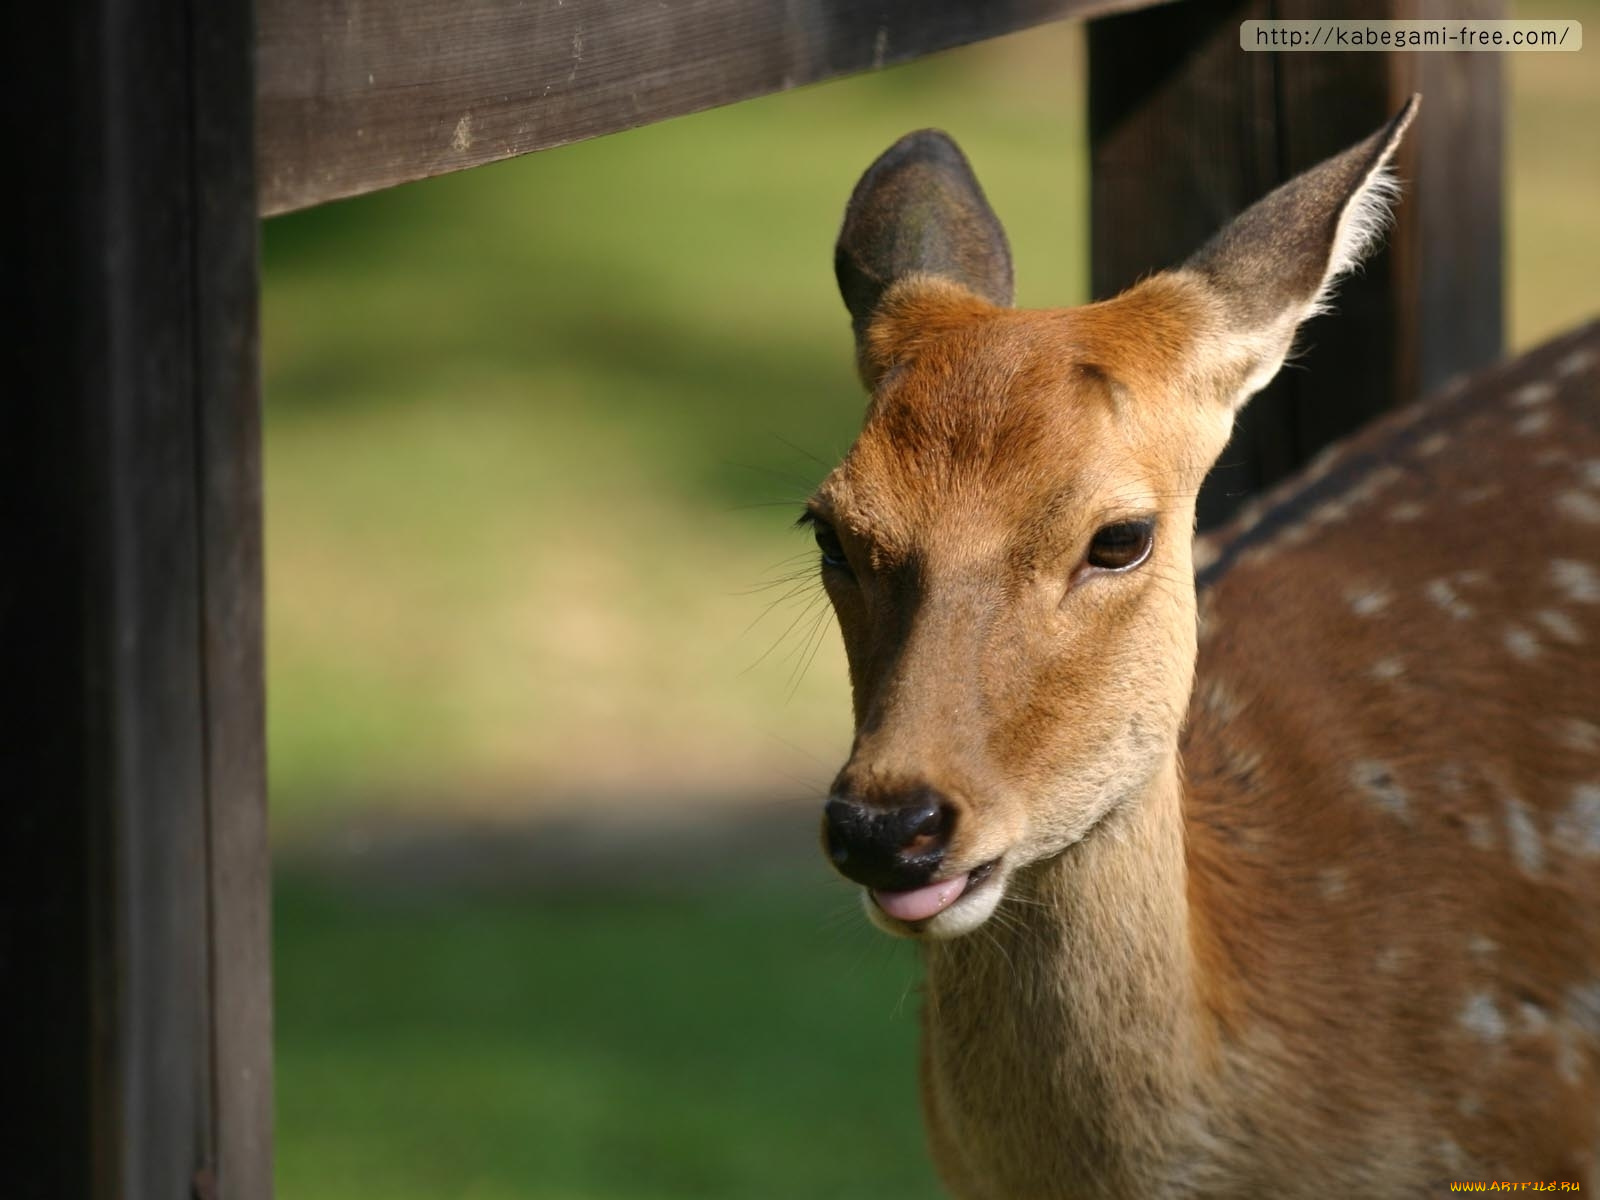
{"points": [[1070, 1028]]}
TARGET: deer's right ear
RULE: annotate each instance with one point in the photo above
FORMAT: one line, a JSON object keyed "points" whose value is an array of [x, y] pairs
{"points": [[1277, 263], [917, 212]]}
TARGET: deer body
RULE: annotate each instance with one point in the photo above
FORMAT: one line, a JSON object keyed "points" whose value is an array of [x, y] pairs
{"points": [[1288, 888]]}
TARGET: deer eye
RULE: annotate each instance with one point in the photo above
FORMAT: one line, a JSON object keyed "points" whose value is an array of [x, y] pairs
{"points": [[828, 543], [1122, 546]]}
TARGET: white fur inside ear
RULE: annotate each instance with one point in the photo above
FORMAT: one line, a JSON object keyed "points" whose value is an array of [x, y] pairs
{"points": [[1362, 224], [1259, 270], [1366, 217], [1267, 348]]}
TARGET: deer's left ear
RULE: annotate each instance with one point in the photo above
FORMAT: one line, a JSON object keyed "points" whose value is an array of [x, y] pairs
{"points": [[917, 217], [1275, 265]]}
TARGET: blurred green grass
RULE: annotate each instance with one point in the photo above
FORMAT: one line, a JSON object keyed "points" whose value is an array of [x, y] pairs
{"points": [[681, 1044], [534, 435]]}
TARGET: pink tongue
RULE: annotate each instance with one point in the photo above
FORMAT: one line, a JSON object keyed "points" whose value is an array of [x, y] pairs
{"points": [[924, 902]]}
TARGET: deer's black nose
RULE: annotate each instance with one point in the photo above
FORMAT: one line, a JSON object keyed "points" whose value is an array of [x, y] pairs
{"points": [[888, 847]]}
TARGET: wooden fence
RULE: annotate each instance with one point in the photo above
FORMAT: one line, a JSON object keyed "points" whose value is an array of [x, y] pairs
{"points": [[149, 136]]}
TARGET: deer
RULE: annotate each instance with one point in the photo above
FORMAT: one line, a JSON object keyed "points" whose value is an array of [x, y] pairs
{"points": [[1260, 864]]}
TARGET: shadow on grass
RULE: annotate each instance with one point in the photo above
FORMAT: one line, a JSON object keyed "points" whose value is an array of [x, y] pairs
{"points": [[727, 1031]]}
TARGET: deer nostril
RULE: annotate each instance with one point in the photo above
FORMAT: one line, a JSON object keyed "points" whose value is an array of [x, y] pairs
{"points": [[928, 827]]}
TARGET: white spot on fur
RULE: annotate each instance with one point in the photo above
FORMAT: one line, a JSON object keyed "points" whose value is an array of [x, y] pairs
{"points": [[1522, 643], [1579, 581], [1433, 444], [1477, 495], [1371, 484], [1389, 960], [1577, 734], [1569, 1058], [1218, 699], [1481, 947], [1534, 422], [1443, 593], [1324, 462], [1559, 626], [1294, 535], [1578, 828], [1388, 669], [1589, 472], [1533, 1020], [1241, 761], [1332, 883], [1377, 780], [1575, 363], [1366, 602], [1526, 846], [1480, 832], [1580, 506], [1453, 1159], [1406, 510], [1583, 1006], [1257, 555], [1530, 394], [1330, 513], [1480, 1017]]}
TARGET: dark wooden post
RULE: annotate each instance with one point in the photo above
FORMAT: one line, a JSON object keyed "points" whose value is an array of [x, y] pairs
{"points": [[133, 940], [1186, 129]]}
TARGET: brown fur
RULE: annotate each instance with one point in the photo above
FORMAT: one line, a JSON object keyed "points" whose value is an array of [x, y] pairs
{"points": [[1318, 916]]}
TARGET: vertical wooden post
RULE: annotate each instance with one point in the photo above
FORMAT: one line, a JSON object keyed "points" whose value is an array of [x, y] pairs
{"points": [[1186, 129], [136, 898], [1452, 229]]}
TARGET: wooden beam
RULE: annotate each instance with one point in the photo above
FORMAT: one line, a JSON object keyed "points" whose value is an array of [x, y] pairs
{"points": [[357, 95], [1187, 129], [133, 921]]}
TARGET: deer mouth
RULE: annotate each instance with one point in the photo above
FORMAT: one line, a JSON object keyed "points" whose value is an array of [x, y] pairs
{"points": [[916, 905]]}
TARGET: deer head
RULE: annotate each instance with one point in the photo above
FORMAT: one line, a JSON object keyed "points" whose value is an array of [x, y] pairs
{"points": [[1008, 543]]}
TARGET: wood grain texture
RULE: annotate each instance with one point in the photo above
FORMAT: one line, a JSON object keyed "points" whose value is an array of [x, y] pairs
{"points": [[1186, 130], [130, 481], [228, 493], [357, 95]]}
